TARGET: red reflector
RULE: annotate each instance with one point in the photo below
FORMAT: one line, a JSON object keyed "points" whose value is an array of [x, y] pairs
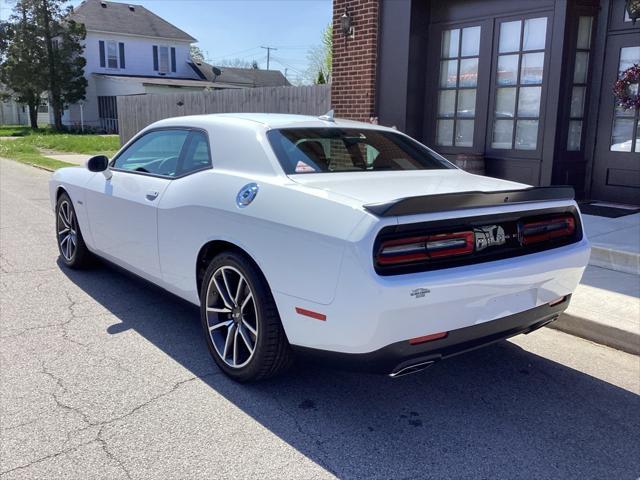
{"points": [[428, 338], [535, 232], [309, 313]]}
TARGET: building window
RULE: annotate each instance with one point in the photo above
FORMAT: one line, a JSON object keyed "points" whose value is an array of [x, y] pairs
{"points": [[164, 59], [518, 87], [625, 134], [112, 55], [579, 89], [458, 87]]}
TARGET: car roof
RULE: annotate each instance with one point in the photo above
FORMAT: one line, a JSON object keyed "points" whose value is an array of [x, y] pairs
{"points": [[266, 121]]}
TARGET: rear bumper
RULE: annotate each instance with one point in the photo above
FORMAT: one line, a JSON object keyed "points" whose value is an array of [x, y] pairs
{"points": [[399, 357]]}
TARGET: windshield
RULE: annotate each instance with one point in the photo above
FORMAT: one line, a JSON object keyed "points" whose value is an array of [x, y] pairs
{"points": [[322, 150]]}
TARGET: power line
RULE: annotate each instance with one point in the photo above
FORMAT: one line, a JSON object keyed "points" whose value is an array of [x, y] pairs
{"points": [[286, 65], [236, 53], [268, 49]]}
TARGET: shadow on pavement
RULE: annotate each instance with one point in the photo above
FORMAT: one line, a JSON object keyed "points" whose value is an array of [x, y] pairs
{"points": [[499, 412]]}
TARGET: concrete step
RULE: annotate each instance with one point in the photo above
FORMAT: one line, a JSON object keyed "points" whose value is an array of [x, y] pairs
{"points": [[615, 242], [612, 259], [605, 309]]}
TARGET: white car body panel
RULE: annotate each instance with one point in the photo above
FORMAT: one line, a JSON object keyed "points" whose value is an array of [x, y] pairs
{"points": [[380, 187], [311, 238], [122, 213]]}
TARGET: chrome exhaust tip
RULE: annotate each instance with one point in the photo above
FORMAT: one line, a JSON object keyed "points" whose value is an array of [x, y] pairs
{"points": [[414, 368]]}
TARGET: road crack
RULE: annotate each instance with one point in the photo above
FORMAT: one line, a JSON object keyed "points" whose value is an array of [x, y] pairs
{"points": [[102, 424]]}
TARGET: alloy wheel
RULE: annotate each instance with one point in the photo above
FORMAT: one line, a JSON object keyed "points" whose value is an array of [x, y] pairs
{"points": [[232, 318], [67, 228]]}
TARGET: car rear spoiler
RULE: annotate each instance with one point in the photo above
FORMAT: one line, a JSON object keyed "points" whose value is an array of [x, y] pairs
{"points": [[445, 202]]}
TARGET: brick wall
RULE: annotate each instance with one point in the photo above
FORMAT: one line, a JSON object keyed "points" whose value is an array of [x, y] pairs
{"points": [[353, 78]]}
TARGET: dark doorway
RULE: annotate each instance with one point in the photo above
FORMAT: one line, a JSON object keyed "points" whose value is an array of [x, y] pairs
{"points": [[616, 170]]}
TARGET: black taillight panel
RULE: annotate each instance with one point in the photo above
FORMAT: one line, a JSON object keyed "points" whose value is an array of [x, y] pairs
{"points": [[495, 237]]}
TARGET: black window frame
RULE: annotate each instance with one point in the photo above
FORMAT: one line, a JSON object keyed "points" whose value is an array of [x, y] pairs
{"points": [[573, 49], [482, 87], [514, 153], [180, 162]]}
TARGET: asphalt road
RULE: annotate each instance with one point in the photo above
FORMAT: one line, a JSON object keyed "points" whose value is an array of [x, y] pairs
{"points": [[104, 376]]}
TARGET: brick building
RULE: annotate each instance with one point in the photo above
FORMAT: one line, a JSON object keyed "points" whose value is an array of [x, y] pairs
{"points": [[525, 84]]}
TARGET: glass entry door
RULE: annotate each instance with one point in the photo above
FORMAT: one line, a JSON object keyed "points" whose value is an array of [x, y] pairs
{"points": [[616, 170]]}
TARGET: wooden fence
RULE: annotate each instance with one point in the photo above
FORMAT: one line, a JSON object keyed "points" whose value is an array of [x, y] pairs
{"points": [[137, 111]]}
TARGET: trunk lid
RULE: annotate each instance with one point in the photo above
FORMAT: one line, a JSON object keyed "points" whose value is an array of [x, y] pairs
{"points": [[381, 187]]}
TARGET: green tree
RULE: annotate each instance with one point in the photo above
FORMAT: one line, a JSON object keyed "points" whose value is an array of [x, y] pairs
{"points": [[65, 65], [320, 58], [22, 60], [327, 44], [320, 80]]}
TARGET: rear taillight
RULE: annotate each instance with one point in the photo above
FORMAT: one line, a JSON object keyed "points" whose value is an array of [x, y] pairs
{"points": [[543, 230], [416, 249]]}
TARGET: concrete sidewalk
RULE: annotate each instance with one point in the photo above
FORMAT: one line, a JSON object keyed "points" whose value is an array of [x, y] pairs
{"points": [[615, 242], [605, 308], [74, 158]]}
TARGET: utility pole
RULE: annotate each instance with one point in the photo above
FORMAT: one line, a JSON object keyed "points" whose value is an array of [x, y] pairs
{"points": [[268, 49]]}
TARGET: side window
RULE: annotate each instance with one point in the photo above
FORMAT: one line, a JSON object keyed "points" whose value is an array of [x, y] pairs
{"points": [[156, 152], [196, 155]]}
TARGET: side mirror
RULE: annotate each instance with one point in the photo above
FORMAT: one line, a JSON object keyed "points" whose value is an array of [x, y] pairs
{"points": [[99, 163]]}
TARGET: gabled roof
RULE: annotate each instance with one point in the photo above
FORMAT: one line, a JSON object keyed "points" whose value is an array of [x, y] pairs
{"points": [[126, 19], [245, 77]]}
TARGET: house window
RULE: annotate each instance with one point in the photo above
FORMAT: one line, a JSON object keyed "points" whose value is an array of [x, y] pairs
{"points": [[626, 121], [112, 55], [164, 59], [458, 86], [518, 84], [579, 89]]}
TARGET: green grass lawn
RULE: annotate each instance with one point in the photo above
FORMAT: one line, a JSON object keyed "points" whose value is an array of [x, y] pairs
{"points": [[26, 148], [18, 151], [14, 130]]}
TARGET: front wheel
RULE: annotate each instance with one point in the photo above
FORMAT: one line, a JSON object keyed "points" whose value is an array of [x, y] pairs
{"points": [[240, 320], [73, 251]]}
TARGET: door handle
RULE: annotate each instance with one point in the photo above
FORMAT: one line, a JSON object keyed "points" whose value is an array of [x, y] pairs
{"points": [[152, 195]]}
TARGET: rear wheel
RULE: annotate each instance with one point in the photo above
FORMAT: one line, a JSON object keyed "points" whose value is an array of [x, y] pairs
{"points": [[73, 251], [240, 320]]}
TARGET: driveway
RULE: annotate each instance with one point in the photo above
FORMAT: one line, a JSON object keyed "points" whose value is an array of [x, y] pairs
{"points": [[105, 376]]}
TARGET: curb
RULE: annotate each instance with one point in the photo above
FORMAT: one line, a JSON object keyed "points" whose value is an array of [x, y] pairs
{"points": [[599, 333], [617, 260], [42, 168]]}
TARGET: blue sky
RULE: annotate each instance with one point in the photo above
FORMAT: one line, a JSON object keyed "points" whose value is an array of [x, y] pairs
{"points": [[237, 28]]}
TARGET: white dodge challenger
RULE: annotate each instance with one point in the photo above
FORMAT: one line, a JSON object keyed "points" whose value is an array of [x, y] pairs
{"points": [[341, 240]]}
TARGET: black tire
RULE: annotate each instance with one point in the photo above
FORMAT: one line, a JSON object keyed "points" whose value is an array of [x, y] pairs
{"points": [[272, 353], [73, 251]]}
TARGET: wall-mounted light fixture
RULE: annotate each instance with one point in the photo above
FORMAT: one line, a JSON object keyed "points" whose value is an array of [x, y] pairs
{"points": [[346, 24], [633, 9]]}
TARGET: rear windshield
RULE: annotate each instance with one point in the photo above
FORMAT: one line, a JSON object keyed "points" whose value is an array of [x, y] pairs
{"points": [[321, 150]]}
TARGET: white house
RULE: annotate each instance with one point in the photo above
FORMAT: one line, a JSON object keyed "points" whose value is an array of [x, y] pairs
{"points": [[129, 51], [132, 51], [14, 113]]}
